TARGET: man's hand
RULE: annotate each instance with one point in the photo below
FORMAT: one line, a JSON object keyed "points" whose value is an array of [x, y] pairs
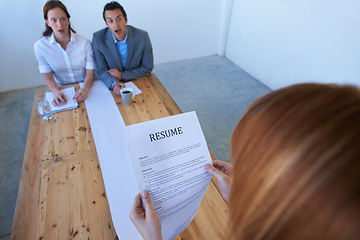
{"points": [[222, 171], [114, 72], [117, 87], [145, 218]]}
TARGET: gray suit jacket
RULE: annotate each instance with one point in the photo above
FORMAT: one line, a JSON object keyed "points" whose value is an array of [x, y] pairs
{"points": [[139, 60]]}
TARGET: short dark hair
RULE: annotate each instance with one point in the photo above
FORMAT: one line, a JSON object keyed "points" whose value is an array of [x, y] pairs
{"points": [[112, 6], [51, 4]]}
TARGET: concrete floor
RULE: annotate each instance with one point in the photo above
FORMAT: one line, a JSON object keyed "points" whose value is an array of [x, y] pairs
{"points": [[218, 90], [15, 111]]}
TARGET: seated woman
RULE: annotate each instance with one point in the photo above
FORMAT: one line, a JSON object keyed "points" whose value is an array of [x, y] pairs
{"points": [[63, 56], [296, 172]]}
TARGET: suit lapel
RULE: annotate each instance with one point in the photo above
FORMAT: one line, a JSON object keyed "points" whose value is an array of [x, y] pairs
{"points": [[130, 46], [113, 50]]}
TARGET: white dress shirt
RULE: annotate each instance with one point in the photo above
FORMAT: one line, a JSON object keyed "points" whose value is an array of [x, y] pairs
{"points": [[67, 66]]}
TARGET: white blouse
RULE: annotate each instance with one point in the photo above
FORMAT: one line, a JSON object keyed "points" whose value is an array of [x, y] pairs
{"points": [[67, 66]]}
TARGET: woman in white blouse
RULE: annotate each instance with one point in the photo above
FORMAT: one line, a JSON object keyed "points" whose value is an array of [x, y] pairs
{"points": [[63, 56]]}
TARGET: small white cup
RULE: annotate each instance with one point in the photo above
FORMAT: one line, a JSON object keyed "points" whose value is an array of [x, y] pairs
{"points": [[127, 95]]}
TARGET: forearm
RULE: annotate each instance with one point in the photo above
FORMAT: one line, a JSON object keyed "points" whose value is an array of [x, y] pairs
{"points": [[50, 82], [59, 97], [101, 64], [136, 73], [89, 78], [107, 79], [102, 70]]}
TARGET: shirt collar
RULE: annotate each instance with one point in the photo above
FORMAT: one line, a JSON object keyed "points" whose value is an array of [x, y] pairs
{"points": [[123, 41], [73, 37], [52, 38]]}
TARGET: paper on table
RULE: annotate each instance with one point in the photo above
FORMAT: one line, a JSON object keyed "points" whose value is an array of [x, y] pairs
{"points": [[134, 87], [70, 104], [168, 156], [120, 183]]}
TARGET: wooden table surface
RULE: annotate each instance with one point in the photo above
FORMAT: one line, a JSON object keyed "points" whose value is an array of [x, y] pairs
{"points": [[61, 193]]}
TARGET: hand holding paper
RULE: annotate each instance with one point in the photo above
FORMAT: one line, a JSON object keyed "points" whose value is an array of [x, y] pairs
{"points": [[168, 156], [145, 218], [222, 171]]}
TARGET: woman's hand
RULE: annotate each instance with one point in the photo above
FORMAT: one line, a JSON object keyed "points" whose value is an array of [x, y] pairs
{"points": [[222, 171], [81, 94], [145, 218], [59, 98]]}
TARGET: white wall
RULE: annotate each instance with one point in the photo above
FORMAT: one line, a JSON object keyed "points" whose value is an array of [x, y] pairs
{"points": [[178, 29], [19, 24], [278, 42], [285, 42]]}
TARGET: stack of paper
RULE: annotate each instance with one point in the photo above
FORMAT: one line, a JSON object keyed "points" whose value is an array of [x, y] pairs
{"points": [[70, 104]]}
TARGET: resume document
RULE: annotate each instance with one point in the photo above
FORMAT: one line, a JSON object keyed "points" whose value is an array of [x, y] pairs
{"points": [[168, 156]]}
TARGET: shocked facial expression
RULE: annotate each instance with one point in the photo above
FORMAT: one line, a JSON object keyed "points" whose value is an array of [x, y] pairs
{"points": [[58, 21], [116, 22]]}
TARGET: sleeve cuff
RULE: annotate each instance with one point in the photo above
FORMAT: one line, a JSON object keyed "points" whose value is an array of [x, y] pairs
{"points": [[90, 65], [44, 69]]}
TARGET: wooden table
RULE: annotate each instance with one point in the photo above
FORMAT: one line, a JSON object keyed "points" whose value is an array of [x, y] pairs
{"points": [[62, 194]]}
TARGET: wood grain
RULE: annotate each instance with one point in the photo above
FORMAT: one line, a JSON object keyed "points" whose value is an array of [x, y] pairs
{"points": [[73, 200], [61, 193]]}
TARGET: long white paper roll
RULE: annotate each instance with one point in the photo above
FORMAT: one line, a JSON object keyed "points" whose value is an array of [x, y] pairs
{"points": [[107, 127]]}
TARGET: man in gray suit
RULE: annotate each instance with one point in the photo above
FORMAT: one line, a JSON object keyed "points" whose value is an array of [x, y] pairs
{"points": [[122, 52]]}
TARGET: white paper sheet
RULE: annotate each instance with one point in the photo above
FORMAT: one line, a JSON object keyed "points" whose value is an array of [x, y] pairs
{"points": [[133, 87], [70, 104], [168, 156], [107, 128]]}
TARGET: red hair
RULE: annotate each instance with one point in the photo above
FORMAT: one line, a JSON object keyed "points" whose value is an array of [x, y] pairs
{"points": [[296, 157]]}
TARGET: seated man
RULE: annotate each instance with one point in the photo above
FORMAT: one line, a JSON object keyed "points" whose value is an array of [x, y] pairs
{"points": [[121, 52]]}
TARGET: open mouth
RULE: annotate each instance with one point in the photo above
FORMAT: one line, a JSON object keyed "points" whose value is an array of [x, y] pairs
{"points": [[117, 30]]}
